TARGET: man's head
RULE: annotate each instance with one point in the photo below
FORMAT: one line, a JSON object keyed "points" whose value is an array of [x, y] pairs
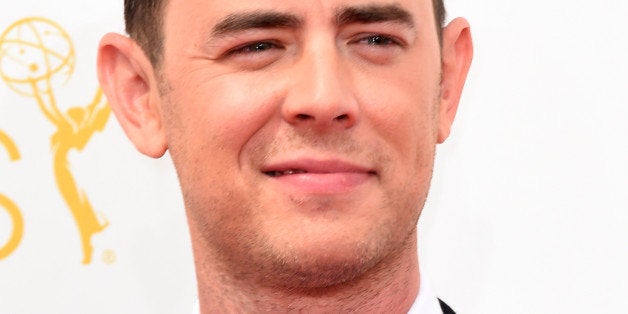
{"points": [[303, 132], [144, 18]]}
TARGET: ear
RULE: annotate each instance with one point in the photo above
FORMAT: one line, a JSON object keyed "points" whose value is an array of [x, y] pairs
{"points": [[127, 78], [457, 52]]}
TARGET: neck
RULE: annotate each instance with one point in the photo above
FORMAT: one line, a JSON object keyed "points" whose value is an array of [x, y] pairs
{"points": [[390, 286]]}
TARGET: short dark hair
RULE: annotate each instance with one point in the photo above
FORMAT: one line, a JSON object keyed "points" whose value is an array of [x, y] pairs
{"points": [[144, 23]]}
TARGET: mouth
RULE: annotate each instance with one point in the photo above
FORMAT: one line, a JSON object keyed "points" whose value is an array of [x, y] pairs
{"points": [[309, 166], [276, 174], [318, 176]]}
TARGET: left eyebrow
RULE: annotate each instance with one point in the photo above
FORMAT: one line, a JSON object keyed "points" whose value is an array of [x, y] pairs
{"points": [[374, 13]]}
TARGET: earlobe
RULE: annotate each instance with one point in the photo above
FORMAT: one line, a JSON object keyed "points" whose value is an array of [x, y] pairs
{"points": [[457, 53], [126, 77]]}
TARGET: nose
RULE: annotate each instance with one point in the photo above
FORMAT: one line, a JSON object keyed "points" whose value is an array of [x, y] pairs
{"points": [[321, 96]]}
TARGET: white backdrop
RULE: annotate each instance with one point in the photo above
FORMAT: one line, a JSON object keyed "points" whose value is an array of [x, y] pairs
{"points": [[142, 261], [529, 206], [528, 211]]}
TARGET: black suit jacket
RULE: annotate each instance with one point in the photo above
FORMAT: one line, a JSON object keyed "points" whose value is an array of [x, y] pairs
{"points": [[446, 309]]}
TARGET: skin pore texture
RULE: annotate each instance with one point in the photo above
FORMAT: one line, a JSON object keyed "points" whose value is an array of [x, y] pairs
{"points": [[303, 134]]}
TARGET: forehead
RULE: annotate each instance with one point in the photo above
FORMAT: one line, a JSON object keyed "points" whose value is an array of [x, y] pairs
{"points": [[206, 13]]}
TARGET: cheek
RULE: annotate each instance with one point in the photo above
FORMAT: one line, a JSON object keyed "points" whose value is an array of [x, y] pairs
{"points": [[403, 110], [208, 125], [219, 116]]}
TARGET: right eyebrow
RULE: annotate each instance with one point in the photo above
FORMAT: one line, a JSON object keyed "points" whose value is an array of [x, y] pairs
{"points": [[238, 22]]}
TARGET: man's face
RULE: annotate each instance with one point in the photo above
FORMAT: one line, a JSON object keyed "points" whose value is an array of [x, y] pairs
{"points": [[303, 132]]}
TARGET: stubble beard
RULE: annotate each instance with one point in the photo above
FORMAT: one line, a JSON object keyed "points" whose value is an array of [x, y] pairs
{"points": [[245, 254]]}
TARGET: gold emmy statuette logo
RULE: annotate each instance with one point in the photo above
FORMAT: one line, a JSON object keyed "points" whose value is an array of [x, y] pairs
{"points": [[37, 55], [9, 206]]}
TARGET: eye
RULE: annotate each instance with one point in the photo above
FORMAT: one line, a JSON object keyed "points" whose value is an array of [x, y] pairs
{"points": [[254, 48], [255, 54], [377, 48], [378, 40]]}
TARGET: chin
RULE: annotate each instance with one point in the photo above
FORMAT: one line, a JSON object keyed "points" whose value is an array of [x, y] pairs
{"points": [[321, 270]]}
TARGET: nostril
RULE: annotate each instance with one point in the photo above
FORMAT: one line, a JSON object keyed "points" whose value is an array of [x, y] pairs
{"points": [[303, 116], [342, 117]]}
